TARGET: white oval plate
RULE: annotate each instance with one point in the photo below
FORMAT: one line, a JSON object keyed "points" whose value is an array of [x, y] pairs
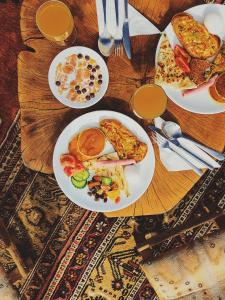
{"points": [[200, 102], [85, 51], [143, 171]]}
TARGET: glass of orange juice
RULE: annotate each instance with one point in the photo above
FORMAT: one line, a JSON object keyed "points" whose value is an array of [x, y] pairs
{"points": [[149, 102], [56, 23]]}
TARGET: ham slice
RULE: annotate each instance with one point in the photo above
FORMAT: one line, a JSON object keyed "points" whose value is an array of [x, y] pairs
{"points": [[112, 163], [200, 88]]}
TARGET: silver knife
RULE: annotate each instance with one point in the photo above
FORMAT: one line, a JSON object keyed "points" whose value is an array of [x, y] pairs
{"points": [[126, 33], [177, 144]]}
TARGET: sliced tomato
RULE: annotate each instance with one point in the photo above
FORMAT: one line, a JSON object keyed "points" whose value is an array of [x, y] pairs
{"points": [[69, 171], [67, 160], [79, 166], [181, 62], [179, 51]]}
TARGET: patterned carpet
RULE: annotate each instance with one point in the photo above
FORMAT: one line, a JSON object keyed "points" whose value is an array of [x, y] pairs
{"points": [[79, 254]]}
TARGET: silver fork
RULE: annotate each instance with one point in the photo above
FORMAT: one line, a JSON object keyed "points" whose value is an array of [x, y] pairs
{"points": [[165, 144], [118, 39]]}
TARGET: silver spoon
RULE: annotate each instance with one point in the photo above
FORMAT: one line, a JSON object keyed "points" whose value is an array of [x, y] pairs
{"points": [[173, 130], [105, 40]]}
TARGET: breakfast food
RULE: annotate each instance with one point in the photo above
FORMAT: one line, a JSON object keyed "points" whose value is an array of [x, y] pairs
{"points": [[195, 37], [124, 142], [87, 144], [167, 71], [79, 77], [219, 63], [114, 172], [217, 91], [198, 69]]}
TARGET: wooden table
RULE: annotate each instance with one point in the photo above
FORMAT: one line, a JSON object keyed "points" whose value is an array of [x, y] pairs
{"points": [[43, 117]]}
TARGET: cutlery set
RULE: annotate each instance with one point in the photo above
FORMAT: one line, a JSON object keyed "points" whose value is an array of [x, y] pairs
{"points": [[107, 43], [192, 159]]}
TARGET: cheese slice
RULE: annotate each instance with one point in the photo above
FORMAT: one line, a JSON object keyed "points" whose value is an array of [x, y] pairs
{"points": [[167, 71]]}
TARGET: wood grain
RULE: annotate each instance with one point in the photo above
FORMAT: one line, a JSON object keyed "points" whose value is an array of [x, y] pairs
{"points": [[43, 117]]}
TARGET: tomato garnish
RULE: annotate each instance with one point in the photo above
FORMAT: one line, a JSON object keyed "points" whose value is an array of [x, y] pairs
{"points": [[117, 200], [179, 51], [67, 160], [69, 171], [181, 62]]}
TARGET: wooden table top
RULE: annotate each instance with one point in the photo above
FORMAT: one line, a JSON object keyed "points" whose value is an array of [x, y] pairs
{"points": [[43, 118]]}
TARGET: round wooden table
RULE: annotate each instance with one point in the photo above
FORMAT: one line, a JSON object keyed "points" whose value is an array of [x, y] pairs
{"points": [[43, 117]]}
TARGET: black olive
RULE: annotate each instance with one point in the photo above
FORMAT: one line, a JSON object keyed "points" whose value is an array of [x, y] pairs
{"points": [[80, 55], [87, 57], [77, 87], [100, 81], [88, 97], [100, 76], [58, 83], [92, 95], [91, 83], [89, 67], [84, 91], [92, 77]]}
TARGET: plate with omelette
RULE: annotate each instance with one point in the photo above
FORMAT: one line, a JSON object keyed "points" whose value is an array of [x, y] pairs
{"points": [[190, 59], [103, 161]]}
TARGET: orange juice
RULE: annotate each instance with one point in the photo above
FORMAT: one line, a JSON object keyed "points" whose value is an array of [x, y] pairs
{"points": [[55, 20], [149, 101]]}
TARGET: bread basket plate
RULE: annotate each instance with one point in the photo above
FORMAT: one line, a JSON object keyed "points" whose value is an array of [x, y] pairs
{"points": [[200, 102]]}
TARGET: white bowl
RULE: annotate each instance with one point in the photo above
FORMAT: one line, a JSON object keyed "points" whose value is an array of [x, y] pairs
{"points": [[85, 51]]}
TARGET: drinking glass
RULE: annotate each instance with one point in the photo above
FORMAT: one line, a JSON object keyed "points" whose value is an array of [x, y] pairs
{"points": [[148, 102], [56, 23]]}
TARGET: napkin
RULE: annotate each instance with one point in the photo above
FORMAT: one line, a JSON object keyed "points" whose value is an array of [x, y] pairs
{"points": [[138, 25], [173, 162]]}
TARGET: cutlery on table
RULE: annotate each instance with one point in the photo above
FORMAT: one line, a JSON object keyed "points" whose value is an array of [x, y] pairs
{"points": [[173, 130], [126, 33], [164, 143], [117, 39], [105, 41], [178, 144]]}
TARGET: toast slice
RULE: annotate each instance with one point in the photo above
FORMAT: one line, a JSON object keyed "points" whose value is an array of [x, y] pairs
{"points": [[195, 37]]}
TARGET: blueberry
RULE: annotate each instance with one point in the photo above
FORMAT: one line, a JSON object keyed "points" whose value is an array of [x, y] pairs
{"points": [[100, 76], [78, 92], [92, 95], [80, 55], [100, 81], [77, 87], [92, 77], [84, 91], [91, 83], [89, 67], [93, 70], [88, 97], [58, 83], [87, 57], [97, 67], [89, 193]]}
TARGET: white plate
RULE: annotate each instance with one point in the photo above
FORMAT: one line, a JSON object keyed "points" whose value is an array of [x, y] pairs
{"points": [[200, 102], [85, 51], [142, 172]]}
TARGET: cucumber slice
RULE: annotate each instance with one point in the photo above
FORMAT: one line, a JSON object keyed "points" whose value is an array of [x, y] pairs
{"points": [[82, 175], [79, 184]]}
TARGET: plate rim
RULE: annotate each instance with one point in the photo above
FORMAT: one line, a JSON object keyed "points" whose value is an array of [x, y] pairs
{"points": [[152, 161], [167, 89], [73, 104]]}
